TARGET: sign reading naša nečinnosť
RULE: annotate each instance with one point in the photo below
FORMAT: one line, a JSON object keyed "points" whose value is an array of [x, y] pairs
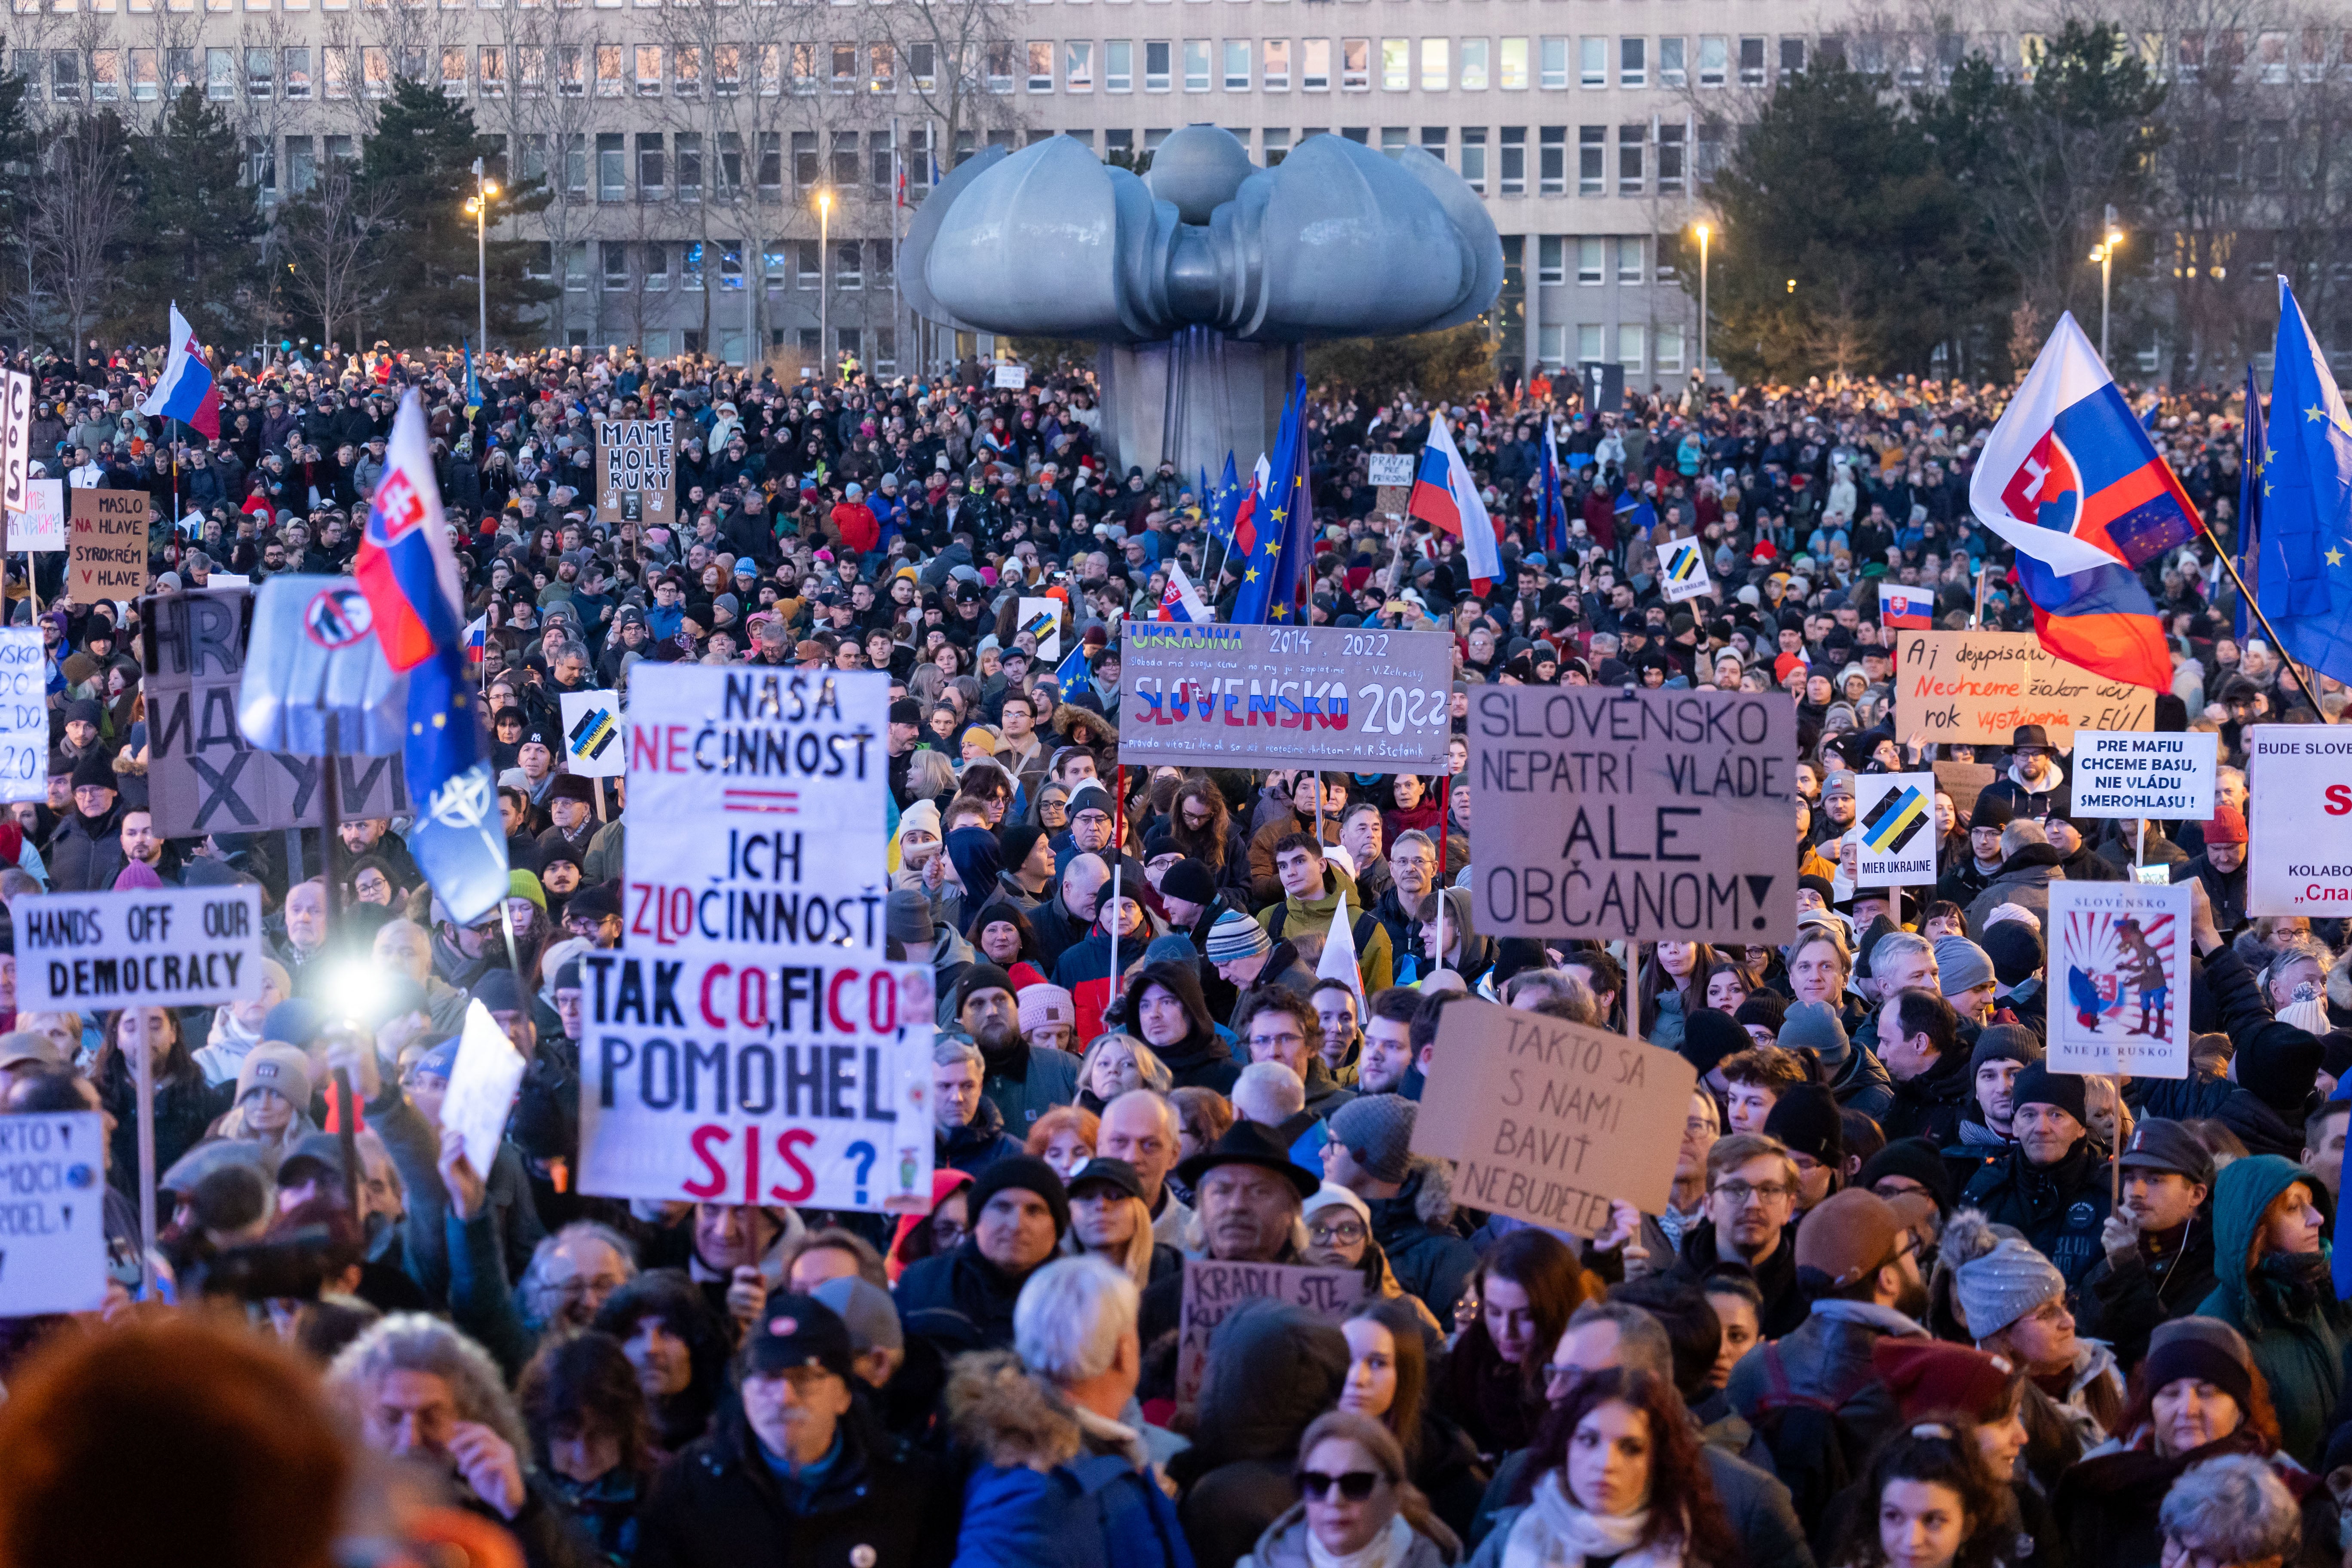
{"points": [[755, 810], [637, 470], [1361, 699], [711, 1080], [161, 947], [1647, 815]]}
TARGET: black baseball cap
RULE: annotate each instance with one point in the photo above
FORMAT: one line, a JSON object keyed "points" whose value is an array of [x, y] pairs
{"points": [[798, 1331]]}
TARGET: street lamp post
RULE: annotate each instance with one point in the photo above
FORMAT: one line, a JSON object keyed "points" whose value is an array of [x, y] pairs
{"points": [[485, 192], [824, 282], [1704, 234]]}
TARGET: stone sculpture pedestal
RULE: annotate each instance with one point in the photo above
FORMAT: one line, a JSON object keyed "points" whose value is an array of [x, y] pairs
{"points": [[1192, 399]]}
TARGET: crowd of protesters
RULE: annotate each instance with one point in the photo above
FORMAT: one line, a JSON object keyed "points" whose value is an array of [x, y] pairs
{"points": [[1891, 1311]]}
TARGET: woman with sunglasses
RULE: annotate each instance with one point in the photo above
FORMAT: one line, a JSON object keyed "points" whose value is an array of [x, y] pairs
{"points": [[1355, 1508]]}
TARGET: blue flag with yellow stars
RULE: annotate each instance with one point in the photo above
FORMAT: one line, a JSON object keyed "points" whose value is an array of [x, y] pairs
{"points": [[1278, 543], [2251, 462], [2303, 556]]}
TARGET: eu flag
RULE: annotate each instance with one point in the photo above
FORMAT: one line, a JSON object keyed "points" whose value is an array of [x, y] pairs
{"points": [[2304, 559], [459, 840], [1279, 549], [2251, 461]]}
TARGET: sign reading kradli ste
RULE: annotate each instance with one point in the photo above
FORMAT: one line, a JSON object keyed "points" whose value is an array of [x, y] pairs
{"points": [[1263, 697], [1644, 815], [637, 470]]}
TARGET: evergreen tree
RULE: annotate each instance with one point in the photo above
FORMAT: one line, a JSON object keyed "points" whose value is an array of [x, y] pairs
{"points": [[419, 163], [196, 235]]}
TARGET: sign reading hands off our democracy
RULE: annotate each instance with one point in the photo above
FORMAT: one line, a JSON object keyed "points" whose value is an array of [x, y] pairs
{"points": [[1549, 1120], [1978, 687], [160, 947], [1650, 816]]}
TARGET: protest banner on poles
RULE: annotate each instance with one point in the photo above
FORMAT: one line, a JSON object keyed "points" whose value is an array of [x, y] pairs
{"points": [[715, 1079], [2130, 774], [160, 947], [105, 546], [23, 715], [1547, 1121], [1634, 814], [203, 776], [592, 745], [53, 1240], [1896, 814], [1361, 699], [2119, 978], [755, 809], [1214, 1290], [16, 440], [2299, 820], [637, 470], [1977, 688], [1682, 571]]}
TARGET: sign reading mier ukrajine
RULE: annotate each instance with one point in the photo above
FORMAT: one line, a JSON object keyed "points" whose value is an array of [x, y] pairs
{"points": [[1292, 696], [23, 715], [1896, 815], [2299, 813], [53, 1221], [1978, 687], [636, 468], [755, 810], [162, 947], [1633, 814], [2119, 978], [1549, 1120], [2131, 774], [707, 1080]]}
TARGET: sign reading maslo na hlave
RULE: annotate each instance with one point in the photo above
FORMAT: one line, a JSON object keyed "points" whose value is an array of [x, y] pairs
{"points": [[1261, 697], [162, 947], [1643, 815]]}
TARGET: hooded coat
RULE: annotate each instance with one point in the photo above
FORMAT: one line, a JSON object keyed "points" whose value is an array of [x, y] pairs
{"points": [[1274, 1369], [1203, 1059], [1414, 1228], [2024, 881], [2290, 1316]]}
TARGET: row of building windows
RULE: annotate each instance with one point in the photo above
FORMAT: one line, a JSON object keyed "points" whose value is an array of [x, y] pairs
{"points": [[1638, 346], [650, 266]]}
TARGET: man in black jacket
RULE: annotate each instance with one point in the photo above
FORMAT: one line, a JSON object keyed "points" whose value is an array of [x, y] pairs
{"points": [[802, 1471], [2052, 1188], [2159, 1245], [1921, 1041], [87, 854]]}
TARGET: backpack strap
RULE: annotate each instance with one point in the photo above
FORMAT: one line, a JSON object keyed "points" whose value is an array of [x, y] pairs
{"points": [[1281, 917]]}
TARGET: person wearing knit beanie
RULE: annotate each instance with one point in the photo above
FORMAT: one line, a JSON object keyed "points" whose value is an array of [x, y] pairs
{"points": [[1762, 1014], [1234, 943], [1372, 1144], [2037, 1085], [2001, 1053], [1929, 1377], [1049, 1009], [1966, 972], [2009, 1282], [1025, 1173], [1805, 1117], [1708, 1036], [2015, 949], [1907, 1165], [1187, 890], [276, 1066], [1815, 1026], [2051, 1186]]}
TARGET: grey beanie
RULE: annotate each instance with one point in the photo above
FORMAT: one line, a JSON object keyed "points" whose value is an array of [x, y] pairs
{"points": [[1378, 1131], [1815, 1025], [1961, 964], [1995, 1289]]}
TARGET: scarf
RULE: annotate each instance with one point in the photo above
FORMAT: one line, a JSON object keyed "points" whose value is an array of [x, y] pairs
{"points": [[1554, 1533], [1386, 1550]]}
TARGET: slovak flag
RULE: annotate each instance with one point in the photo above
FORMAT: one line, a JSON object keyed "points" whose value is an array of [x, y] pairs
{"points": [[2071, 480], [1181, 602], [405, 566], [186, 392], [1914, 608], [477, 636], [1445, 497]]}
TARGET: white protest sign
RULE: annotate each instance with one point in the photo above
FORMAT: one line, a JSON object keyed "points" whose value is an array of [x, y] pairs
{"points": [[808, 1083], [15, 438], [592, 746], [755, 811], [163, 947], [2299, 816], [1631, 815], [482, 1084], [1389, 469], [1549, 1120], [52, 1214], [2119, 978], [1895, 818], [1041, 619], [1012, 377], [1215, 1290], [1682, 571], [2132, 773], [23, 715], [42, 524]]}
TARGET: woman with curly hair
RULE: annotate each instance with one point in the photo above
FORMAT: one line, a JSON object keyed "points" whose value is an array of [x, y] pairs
{"points": [[1932, 1502], [590, 1436]]}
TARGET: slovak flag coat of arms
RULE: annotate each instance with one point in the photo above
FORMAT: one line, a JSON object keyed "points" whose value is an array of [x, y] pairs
{"points": [[2071, 480], [1899, 606], [405, 566]]}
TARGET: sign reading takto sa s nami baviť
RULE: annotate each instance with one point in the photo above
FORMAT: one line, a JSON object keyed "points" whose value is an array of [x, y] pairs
{"points": [[705, 1080], [1261, 697], [1643, 815]]}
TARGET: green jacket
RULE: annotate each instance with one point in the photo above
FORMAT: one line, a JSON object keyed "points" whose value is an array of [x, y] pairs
{"points": [[1312, 917], [2298, 1329]]}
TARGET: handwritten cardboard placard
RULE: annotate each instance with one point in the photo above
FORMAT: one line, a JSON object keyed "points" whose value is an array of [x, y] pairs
{"points": [[105, 546], [1214, 1290], [1977, 688], [1549, 1120]]}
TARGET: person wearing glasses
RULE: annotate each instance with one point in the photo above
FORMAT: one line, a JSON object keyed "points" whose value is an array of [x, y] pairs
{"points": [[2011, 1300], [1814, 1396], [1752, 1195], [1353, 1497]]}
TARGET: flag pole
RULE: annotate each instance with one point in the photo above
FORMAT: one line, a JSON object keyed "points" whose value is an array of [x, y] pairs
{"points": [[2302, 676]]}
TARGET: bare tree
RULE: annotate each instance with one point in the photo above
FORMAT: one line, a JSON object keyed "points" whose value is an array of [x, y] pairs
{"points": [[950, 51], [330, 238], [79, 211]]}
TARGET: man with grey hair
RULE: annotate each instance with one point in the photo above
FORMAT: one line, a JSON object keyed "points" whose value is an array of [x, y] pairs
{"points": [[420, 1389]]}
